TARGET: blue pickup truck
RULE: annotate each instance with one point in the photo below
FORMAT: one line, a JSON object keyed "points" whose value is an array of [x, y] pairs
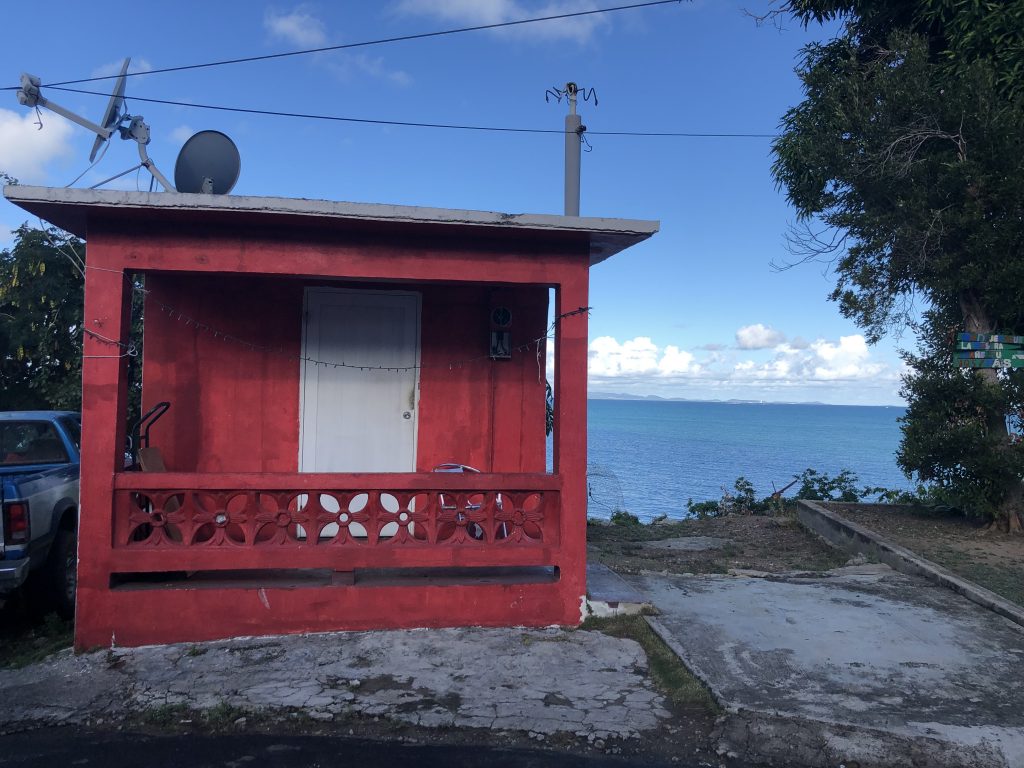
{"points": [[39, 466]]}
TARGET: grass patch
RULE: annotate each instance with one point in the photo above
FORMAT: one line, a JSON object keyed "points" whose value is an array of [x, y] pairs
{"points": [[165, 715], [223, 715], [669, 674], [51, 635], [170, 716], [1007, 582], [626, 531]]}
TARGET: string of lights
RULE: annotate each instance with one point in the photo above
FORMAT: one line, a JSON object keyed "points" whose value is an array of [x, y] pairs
{"points": [[368, 43], [423, 124], [130, 350], [174, 314], [316, 362]]}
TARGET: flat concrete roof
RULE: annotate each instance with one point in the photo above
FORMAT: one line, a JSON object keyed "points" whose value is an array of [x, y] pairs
{"points": [[71, 209]]}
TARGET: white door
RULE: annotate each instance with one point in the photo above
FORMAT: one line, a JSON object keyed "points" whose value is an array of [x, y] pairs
{"points": [[357, 416]]}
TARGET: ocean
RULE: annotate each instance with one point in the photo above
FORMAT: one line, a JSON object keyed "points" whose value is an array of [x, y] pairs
{"points": [[649, 457]]}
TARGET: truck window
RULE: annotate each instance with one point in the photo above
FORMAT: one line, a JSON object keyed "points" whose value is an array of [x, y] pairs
{"points": [[30, 442], [73, 429]]}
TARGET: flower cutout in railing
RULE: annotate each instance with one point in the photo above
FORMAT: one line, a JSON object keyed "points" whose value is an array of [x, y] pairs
{"points": [[157, 519], [465, 517], [404, 518], [278, 519], [221, 519], [339, 517], [521, 517]]}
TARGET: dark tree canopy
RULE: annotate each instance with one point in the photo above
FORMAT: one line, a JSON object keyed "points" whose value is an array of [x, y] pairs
{"points": [[40, 321], [957, 33], [905, 162], [923, 172]]}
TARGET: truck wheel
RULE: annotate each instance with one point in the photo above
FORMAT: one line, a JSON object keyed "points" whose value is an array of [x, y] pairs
{"points": [[63, 573]]}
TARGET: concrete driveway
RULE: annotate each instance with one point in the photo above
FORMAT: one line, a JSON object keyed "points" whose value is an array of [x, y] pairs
{"points": [[860, 664]]}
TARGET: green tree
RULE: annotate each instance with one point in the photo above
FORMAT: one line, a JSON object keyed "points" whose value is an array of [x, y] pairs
{"points": [[40, 320], [905, 162], [41, 306]]}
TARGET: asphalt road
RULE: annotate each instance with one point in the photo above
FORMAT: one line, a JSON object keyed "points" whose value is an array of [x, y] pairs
{"points": [[71, 747]]}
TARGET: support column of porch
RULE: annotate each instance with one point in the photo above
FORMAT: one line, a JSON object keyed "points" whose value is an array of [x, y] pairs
{"points": [[106, 325], [570, 436]]}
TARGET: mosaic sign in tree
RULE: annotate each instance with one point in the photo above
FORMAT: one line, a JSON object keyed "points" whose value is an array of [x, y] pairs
{"points": [[989, 350]]}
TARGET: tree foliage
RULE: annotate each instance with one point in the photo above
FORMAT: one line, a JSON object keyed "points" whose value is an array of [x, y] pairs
{"points": [[954, 433], [907, 150], [958, 33], [40, 321]]}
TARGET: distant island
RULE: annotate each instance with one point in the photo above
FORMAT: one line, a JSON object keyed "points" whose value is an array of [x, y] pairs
{"points": [[659, 398]]}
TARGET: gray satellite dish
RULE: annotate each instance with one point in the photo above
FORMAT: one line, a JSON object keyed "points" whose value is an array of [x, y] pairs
{"points": [[112, 115], [209, 162]]}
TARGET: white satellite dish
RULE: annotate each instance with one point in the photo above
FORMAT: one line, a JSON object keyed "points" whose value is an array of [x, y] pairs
{"points": [[112, 116], [30, 96]]}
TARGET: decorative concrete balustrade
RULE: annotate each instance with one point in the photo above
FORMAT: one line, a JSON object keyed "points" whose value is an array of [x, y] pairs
{"points": [[209, 522]]}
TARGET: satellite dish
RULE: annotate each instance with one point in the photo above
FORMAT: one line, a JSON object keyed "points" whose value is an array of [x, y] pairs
{"points": [[112, 115], [30, 95], [209, 162]]}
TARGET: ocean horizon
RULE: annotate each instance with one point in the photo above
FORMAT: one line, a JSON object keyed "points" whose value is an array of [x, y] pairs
{"points": [[649, 456]]}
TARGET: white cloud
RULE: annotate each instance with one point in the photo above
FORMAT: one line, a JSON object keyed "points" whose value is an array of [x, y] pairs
{"points": [[346, 66], [758, 336], [112, 68], [676, 361], [842, 370], [637, 357], [28, 152], [481, 12], [182, 133], [849, 359], [300, 27]]}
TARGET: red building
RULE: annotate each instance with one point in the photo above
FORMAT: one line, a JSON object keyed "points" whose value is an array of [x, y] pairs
{"points": [[322, 360]]}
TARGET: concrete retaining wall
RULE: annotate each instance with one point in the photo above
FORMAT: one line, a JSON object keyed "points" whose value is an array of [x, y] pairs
{"points": [[856, 539]]}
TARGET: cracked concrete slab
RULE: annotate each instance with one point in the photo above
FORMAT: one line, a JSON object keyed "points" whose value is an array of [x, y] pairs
{"points": [[539, 681], [875, 663]]}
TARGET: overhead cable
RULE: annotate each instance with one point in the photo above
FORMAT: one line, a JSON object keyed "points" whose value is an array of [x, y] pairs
{"points": [[420, 124]]}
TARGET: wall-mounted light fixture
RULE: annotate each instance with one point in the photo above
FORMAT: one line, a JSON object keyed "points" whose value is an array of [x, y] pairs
{"points": [[501, 334]]}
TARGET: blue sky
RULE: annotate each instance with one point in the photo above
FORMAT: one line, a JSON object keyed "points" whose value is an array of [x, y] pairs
{"points": [[695, 312]]}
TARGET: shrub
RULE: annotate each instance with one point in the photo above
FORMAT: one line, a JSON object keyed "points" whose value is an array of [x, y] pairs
{"points": [[622, 517]]}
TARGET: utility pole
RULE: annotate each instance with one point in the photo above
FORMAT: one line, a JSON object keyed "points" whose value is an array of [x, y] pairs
{"points": [[575, 136], [574, 129]]}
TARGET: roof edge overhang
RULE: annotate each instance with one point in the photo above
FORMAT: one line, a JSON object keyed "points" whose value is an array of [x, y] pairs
{"points": [[72, 209]]}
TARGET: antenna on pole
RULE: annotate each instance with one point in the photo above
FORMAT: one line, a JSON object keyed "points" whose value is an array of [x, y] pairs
{"points": [[574, 130], [208, 163], [114, 119]]}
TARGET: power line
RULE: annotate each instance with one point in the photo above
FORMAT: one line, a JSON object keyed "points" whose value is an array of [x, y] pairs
{"points": [[685, 134], [382, 41], [308, 116], [419, 124]]}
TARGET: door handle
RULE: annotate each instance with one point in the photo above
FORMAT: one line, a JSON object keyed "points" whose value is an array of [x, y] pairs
{"points": [[407, 415]]}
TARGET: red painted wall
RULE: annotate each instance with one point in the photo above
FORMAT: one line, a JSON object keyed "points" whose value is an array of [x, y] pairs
{"points": [[236, 408]]}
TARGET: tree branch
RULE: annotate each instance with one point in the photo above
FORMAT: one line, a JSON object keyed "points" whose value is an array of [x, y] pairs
{"points": [[807, 244]]}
